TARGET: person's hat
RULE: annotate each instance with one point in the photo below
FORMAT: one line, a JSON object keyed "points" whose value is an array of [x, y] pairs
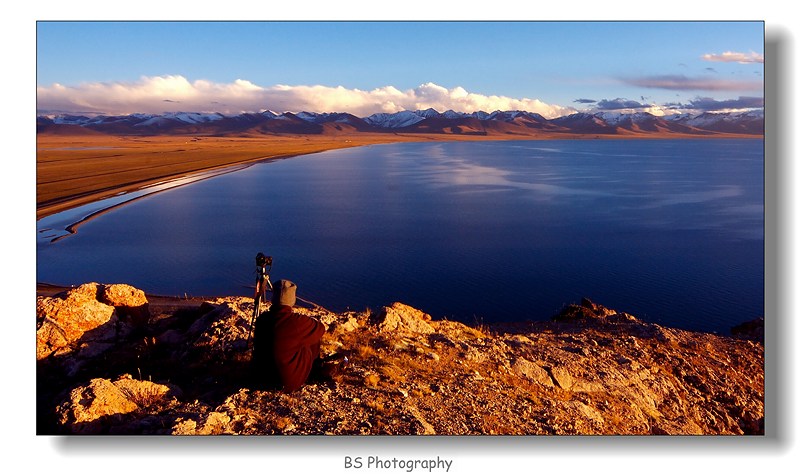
{"points": [[284, 293]]}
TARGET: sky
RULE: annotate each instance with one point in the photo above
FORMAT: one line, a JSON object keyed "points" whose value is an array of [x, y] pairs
{"points": [[367, 67]]}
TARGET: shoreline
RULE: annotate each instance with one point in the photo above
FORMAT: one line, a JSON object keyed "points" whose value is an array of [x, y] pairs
{"points": [[70, 202], [85, 166], [145, 190]]}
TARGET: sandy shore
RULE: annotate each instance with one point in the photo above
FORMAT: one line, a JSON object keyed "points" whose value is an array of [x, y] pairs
{"points": [[76, 170]]}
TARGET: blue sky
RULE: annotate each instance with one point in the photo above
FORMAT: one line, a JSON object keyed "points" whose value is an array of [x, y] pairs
{"points": [[365, 67]]}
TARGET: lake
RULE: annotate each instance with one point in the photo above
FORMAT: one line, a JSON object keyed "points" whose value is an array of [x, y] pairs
{"points": [[671, 231]]}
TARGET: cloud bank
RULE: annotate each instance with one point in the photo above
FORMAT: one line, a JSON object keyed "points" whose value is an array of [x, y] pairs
{"points": [[620, 103], [734, 57], [162, 94], [706, 104], [683, 83]]}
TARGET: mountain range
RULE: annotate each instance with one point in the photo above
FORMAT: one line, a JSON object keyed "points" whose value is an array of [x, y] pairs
{"points": [[427, 121]]}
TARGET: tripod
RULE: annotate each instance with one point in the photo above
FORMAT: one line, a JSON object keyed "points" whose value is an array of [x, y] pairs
{"points": [[263, 267]]}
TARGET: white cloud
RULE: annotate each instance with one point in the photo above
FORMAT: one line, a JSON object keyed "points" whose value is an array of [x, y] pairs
{"points": [[734, 57], [175, 93]]}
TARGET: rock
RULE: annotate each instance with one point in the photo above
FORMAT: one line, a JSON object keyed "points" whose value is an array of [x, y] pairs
{"points": [[518, 341], [348, 325], [131, 303], [184, 427], [531, 371], [86, 405], [622, 317], [600, 311], [584, 386], [403, 318], [682, 426], [328, 318], [427, 428], [65, 318], [590, 413], [589, 311], [50, 338], [403, 379], [91, 312], [93, 408], [474, 355], [665, 336], [562, 377], [219, 332], [751, 330], [214, 423]]}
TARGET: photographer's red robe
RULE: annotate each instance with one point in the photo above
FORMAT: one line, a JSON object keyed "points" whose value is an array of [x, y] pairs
{"points": [[285, 346]]}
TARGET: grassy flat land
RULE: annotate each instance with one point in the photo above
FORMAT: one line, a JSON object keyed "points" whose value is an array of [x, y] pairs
{"points": [[74, 170]]}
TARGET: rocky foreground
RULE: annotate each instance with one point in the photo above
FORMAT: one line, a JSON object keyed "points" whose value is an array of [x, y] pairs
{"points": [[111, 362]]}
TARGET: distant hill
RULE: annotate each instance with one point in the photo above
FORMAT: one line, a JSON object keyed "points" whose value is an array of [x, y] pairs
{"points": [[428, 121]]}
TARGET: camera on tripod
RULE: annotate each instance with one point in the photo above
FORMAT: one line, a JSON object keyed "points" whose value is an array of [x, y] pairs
{"points": [[263, 284], [263, 260]]}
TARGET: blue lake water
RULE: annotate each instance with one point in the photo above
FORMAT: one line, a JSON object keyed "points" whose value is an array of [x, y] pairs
{"points": [[671, 231]]}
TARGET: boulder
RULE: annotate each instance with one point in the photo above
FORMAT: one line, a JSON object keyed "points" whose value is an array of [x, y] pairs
{"points": [[131, 303], [751, 330], [531, 371], [89, 313], [586, 310], [589, 311], [562, 377], [64, 319], [225, 328], [97, 406], [402, 318]]}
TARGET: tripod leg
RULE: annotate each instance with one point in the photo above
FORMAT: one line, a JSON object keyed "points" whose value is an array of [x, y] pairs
{"points": [[256, 309]]}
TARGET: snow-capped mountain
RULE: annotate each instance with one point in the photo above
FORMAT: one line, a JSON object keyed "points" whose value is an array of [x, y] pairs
{"points": [[321, 118], [180, 117], [616, 118], [396, 120], [428, 121], [747, 122], [584, 123]]}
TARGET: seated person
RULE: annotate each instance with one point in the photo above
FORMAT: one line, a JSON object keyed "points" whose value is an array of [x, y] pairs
{"points": [[285, 344]]}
